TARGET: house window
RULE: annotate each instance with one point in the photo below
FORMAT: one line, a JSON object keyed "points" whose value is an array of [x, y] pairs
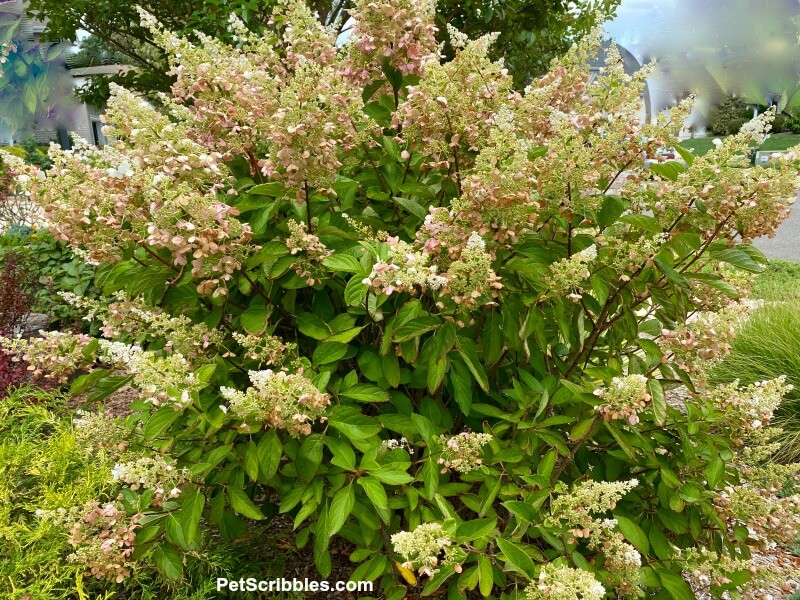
{"points": [[97, 133]]}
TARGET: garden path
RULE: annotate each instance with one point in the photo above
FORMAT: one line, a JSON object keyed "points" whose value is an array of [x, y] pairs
{"points": [[786, 243]]}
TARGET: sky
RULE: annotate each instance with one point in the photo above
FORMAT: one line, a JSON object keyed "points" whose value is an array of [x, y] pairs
{"points": [[715, 47]]}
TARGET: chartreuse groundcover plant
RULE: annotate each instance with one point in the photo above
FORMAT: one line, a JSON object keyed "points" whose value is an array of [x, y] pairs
{"points": [[391, 297]]}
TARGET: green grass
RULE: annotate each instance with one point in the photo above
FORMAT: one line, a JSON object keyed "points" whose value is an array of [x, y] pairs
{"points": [[767, 346], [780, 141], [777, 141], [779, 282], [699, 145]]}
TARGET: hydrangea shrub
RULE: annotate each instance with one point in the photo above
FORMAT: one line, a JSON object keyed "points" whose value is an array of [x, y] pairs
{"points": [[394, 298]]}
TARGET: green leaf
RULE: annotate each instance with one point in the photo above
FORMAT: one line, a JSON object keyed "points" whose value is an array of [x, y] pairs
{"points": [[371, 569], [659, 402], [412, 206], [275, 189], [686, 154], [611, 209], [174, 531], [312, 326], [645, 222], [669, 272], [254, 319], [517, 558], [669, 170], [251, 462], [355, 292], [243, 505], [675, 584], [329, 352], [436, 373], [415, 328], [342, 263], [341, 507], [461, 381], [633, 533], [485, 576], [390, 368], [168, 562], [351, 422], [392, 476], [475, 529], [738, 258], [343, 454], [309, 457], [159, 421], [375, 492], [270, 451], [466, 349], [345, 335], [366, 392], [714, 472], [191, 512], [379, 113]]}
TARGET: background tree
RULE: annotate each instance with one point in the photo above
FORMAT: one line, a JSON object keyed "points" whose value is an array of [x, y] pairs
{"points": [[34, 82], [532, 32]]}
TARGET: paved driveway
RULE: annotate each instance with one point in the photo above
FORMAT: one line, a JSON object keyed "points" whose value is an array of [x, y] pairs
{"points": [[786, 243]]}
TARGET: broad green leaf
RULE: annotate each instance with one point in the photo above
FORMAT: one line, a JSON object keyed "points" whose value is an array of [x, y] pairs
{"points": [[633, 533], [329, 352], [675, 584], [251, 462], [475, 529], [365, 392], [466, 349], [309, 457], [341, 507], [190, 514], [611, 209], [243, 505], [659, 402], [715, 470], [168, 562], [392, 476], [485, 576], [254, 319], [270, 451], [343, 454], [159, 421], [375, 492], [517, 558], [342, 263], [353, 423], [738, 258], [355, 293], [312, 326]]}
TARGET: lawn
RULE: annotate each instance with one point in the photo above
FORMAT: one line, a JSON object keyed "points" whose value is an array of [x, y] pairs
{"points": [[778, 141]]}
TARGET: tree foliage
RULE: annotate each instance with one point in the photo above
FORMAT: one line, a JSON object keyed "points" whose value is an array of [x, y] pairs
{"points": [[532, 32], [34, 83]]}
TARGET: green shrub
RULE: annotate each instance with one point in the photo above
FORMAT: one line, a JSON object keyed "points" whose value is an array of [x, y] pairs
{"points": [[51, 268], [793, 124], [35, 154], [17, 151], [780, 123], [729, 116], [392, 299], [43, 467]]}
